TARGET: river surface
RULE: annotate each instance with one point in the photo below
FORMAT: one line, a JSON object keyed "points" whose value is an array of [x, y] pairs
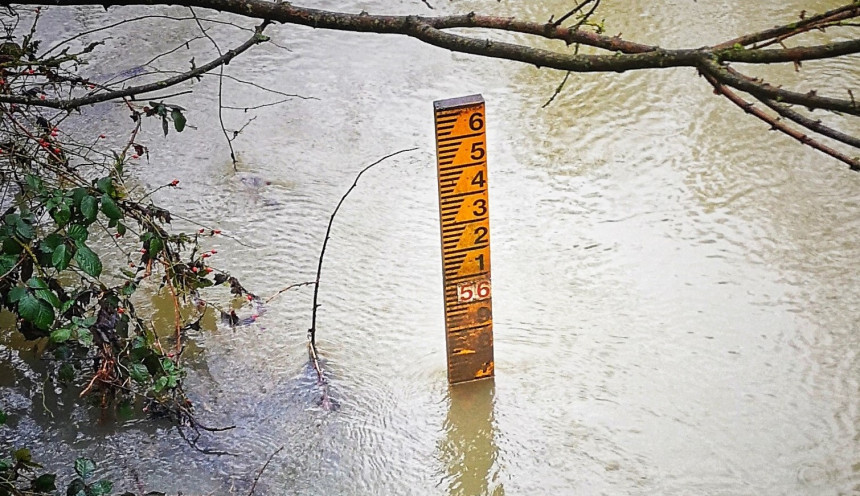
{"points": [[675, 286]]}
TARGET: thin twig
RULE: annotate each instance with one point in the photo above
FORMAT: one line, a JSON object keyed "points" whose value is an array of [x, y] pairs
{"points": [[291, 286], [220, 90], [557, 90], [571, 12], [586, 16], [260, 473], [313, 329]]}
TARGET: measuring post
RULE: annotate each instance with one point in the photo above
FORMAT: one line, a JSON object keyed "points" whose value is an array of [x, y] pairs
{"points": [[464, 213]]}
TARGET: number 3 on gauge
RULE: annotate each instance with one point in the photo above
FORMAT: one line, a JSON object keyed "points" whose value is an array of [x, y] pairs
{"points": [[473, 291]]}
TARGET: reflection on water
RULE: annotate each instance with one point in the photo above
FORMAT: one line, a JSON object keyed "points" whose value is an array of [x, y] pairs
{"points": [[469, 451]]}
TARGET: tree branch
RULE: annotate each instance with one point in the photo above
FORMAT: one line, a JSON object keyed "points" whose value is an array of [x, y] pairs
{"points": [[132, 91], [764, 90], [779, 126], [840, 13], [623, 55]]}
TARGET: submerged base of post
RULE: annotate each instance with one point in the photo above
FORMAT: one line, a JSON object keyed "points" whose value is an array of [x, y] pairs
{"points": [[464, 215]]}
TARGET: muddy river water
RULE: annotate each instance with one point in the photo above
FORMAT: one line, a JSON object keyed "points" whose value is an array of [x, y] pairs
{"points": [[675, 286]]}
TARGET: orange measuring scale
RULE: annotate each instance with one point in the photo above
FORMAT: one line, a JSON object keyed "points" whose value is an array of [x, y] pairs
{"points": [[464, 214]]}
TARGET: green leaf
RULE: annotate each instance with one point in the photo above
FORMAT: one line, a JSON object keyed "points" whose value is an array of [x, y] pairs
{"points": [[168, 365], [37, 283], [61, 257], [44, 483], [77, 487], [62, 214], [90, 207], [109, 208], [17, 293], [3, 417], [178, 120], [22, 455], [155, 246], [139, 372], [36, 311], [78, 195], [51, 242], [77, 232], [7, 262], [85, 467], [67, 305], [120, 228], [100, 488], [25, 231], [85, 337], [48, 296], [105, 185], [61, 335], [87, 260], [34, 182], [164, 125], [160, 384], [67, 372], [128, 288]]}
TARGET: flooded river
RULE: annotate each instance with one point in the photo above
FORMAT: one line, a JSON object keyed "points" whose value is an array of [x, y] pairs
{"points": [[675, 286]]}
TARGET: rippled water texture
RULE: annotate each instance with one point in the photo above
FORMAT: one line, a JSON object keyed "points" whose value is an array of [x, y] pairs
{"points": [[675, 287]]}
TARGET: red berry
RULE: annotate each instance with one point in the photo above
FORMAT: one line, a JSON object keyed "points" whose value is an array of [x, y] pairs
{"points": [[201, 230], [135, 156], [208, 269], [91, 86], [194, 269], [42, 96], [214, 251], [216, 231], [102, 136], [143, 250], [120, 310], [174, 182], [206, 255], [250, 297]]}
